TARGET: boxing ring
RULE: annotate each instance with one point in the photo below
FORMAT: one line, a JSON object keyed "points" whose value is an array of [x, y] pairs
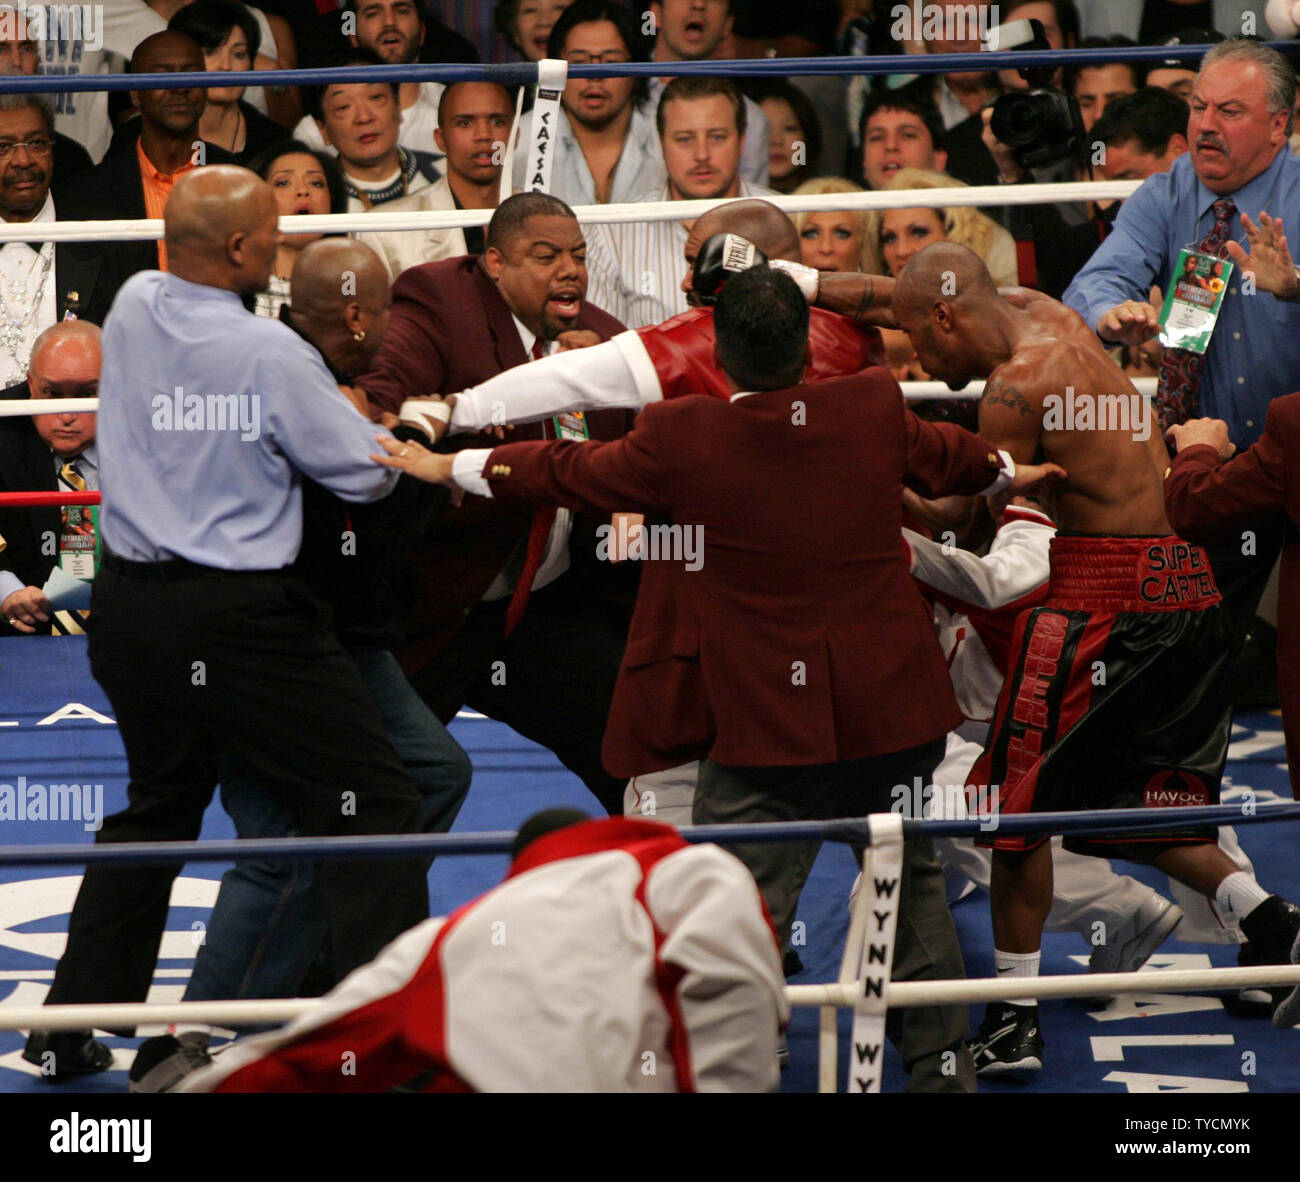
{"points": [[861, 983]]}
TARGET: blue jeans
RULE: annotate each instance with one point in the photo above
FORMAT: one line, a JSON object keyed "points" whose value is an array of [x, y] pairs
{"points": [[268, 924]]}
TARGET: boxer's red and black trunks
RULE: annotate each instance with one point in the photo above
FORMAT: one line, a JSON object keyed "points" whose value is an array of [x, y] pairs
{"points": [[1118, 695]]}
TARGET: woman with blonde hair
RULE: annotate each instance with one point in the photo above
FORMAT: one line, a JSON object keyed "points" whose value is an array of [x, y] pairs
{"points": [[895, 235], [832, 241]]}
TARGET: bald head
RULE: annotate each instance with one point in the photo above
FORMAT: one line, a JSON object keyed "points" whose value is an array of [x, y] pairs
{"points": [[69, 343], [166, 49], [221, 227], [943, 271], [332, 273], [761, 222], [339, 299], [65, 363]]}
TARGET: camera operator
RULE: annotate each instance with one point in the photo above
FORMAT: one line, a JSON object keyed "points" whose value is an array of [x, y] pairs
{"points": [[1035, 133]]}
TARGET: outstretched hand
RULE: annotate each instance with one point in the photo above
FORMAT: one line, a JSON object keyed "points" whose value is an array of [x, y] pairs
{"points": [[415, 460], [1269, 259], [1133, 322], [1036, 476]]}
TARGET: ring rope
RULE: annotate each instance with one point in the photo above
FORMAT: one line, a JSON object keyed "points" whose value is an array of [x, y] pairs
{"points": [[848, 829], [843, 995], [527, 72], [151, 229]]}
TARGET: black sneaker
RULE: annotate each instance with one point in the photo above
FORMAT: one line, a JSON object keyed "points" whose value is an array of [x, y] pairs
{"points": [[162, 1062], [1009, 1041], [1271, 930]]}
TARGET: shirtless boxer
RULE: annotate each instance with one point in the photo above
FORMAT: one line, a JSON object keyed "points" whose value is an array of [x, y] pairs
{"points": [[1117, 695]]}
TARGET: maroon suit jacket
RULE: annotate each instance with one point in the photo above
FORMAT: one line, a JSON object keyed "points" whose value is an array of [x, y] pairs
{"points": [[801, 639], [451, 329], [1211, 501]]}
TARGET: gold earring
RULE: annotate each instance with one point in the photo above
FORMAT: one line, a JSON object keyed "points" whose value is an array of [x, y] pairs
{"points": [[359, 336]]}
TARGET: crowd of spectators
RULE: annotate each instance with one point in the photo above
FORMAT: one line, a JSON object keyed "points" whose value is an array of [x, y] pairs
{"points": [[615, 139]]}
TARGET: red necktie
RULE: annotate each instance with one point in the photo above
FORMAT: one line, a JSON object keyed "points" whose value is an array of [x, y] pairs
{"points": [[538, 535], [1178, 389]]}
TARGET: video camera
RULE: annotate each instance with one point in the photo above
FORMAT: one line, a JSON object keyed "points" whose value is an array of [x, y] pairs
{"points": [[1042, 124]]}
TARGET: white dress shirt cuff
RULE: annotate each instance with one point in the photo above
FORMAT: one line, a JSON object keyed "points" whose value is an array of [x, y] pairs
{"points": [[1004, 478], [467, 470]]}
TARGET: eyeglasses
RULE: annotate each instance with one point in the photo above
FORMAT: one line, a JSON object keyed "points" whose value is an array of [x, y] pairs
{"points": [[34, 147], [610, 57]]}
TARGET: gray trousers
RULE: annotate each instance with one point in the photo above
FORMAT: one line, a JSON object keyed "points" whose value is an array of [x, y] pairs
{"points": [[929, 1038]]}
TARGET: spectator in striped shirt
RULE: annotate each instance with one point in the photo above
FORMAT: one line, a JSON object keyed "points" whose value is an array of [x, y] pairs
{"points": [[636, 268]]}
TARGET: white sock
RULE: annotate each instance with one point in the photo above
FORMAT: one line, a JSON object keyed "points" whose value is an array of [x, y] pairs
{"points": [[1239, 894], [1017, 964]]}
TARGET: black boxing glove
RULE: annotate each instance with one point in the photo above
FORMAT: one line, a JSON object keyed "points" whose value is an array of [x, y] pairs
{"points": [[721, 257]]}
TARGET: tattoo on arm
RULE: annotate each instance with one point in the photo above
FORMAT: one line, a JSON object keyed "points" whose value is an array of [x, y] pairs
{"points": [[867, 302], [1005, 394]]}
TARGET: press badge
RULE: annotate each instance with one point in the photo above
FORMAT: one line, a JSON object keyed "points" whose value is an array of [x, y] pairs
{"points": [[1192, 305], [571, 425], [79, 542]]}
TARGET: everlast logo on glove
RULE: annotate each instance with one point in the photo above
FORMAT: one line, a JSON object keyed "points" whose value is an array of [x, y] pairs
{"points": [[722, 256]]}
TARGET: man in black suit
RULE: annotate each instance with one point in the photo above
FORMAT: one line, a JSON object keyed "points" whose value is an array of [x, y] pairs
{"points": [[40, 282], [136, 184], [47, 453]]}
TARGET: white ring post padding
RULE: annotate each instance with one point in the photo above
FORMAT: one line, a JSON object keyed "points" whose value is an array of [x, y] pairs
{"points": [[828, 1039], [147, 229], [882, 880], [912, 391], [901, 993]]}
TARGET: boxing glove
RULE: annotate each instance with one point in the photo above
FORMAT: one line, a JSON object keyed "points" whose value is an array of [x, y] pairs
{"points": [[720, 257]]}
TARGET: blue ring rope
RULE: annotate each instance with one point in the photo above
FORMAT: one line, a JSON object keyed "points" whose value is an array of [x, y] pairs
{"points": [[314, 849], [526, 72]]}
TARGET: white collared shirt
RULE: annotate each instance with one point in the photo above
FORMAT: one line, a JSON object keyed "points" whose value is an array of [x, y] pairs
{"points": [[635, 269], [555, 560], [21, 271]]}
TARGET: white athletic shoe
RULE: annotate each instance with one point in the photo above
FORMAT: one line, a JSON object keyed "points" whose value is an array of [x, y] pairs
{"points": [[1142, 933]]}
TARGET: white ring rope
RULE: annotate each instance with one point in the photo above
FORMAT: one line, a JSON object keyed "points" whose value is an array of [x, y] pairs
{"points": [[146, 229], [913, 391], [902, 993]]}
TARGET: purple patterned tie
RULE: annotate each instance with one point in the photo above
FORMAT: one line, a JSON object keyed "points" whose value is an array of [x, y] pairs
{"points": [[1178, 391]]}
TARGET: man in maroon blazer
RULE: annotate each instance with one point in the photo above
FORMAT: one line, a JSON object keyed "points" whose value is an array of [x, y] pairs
{"points": [[547, 671], [1212, 496], [790, 650]]}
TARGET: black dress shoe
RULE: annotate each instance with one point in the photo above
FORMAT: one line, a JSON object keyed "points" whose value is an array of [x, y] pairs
{"points": [[61, 1054]]}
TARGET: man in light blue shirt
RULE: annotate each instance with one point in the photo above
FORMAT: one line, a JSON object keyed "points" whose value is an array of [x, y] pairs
{"points": [[1237, 135], [203, 642]]}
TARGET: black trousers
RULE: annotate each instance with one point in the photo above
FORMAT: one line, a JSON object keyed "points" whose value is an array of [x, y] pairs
{"points": [[927, 1037], [552, 680], [199, 663]]}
